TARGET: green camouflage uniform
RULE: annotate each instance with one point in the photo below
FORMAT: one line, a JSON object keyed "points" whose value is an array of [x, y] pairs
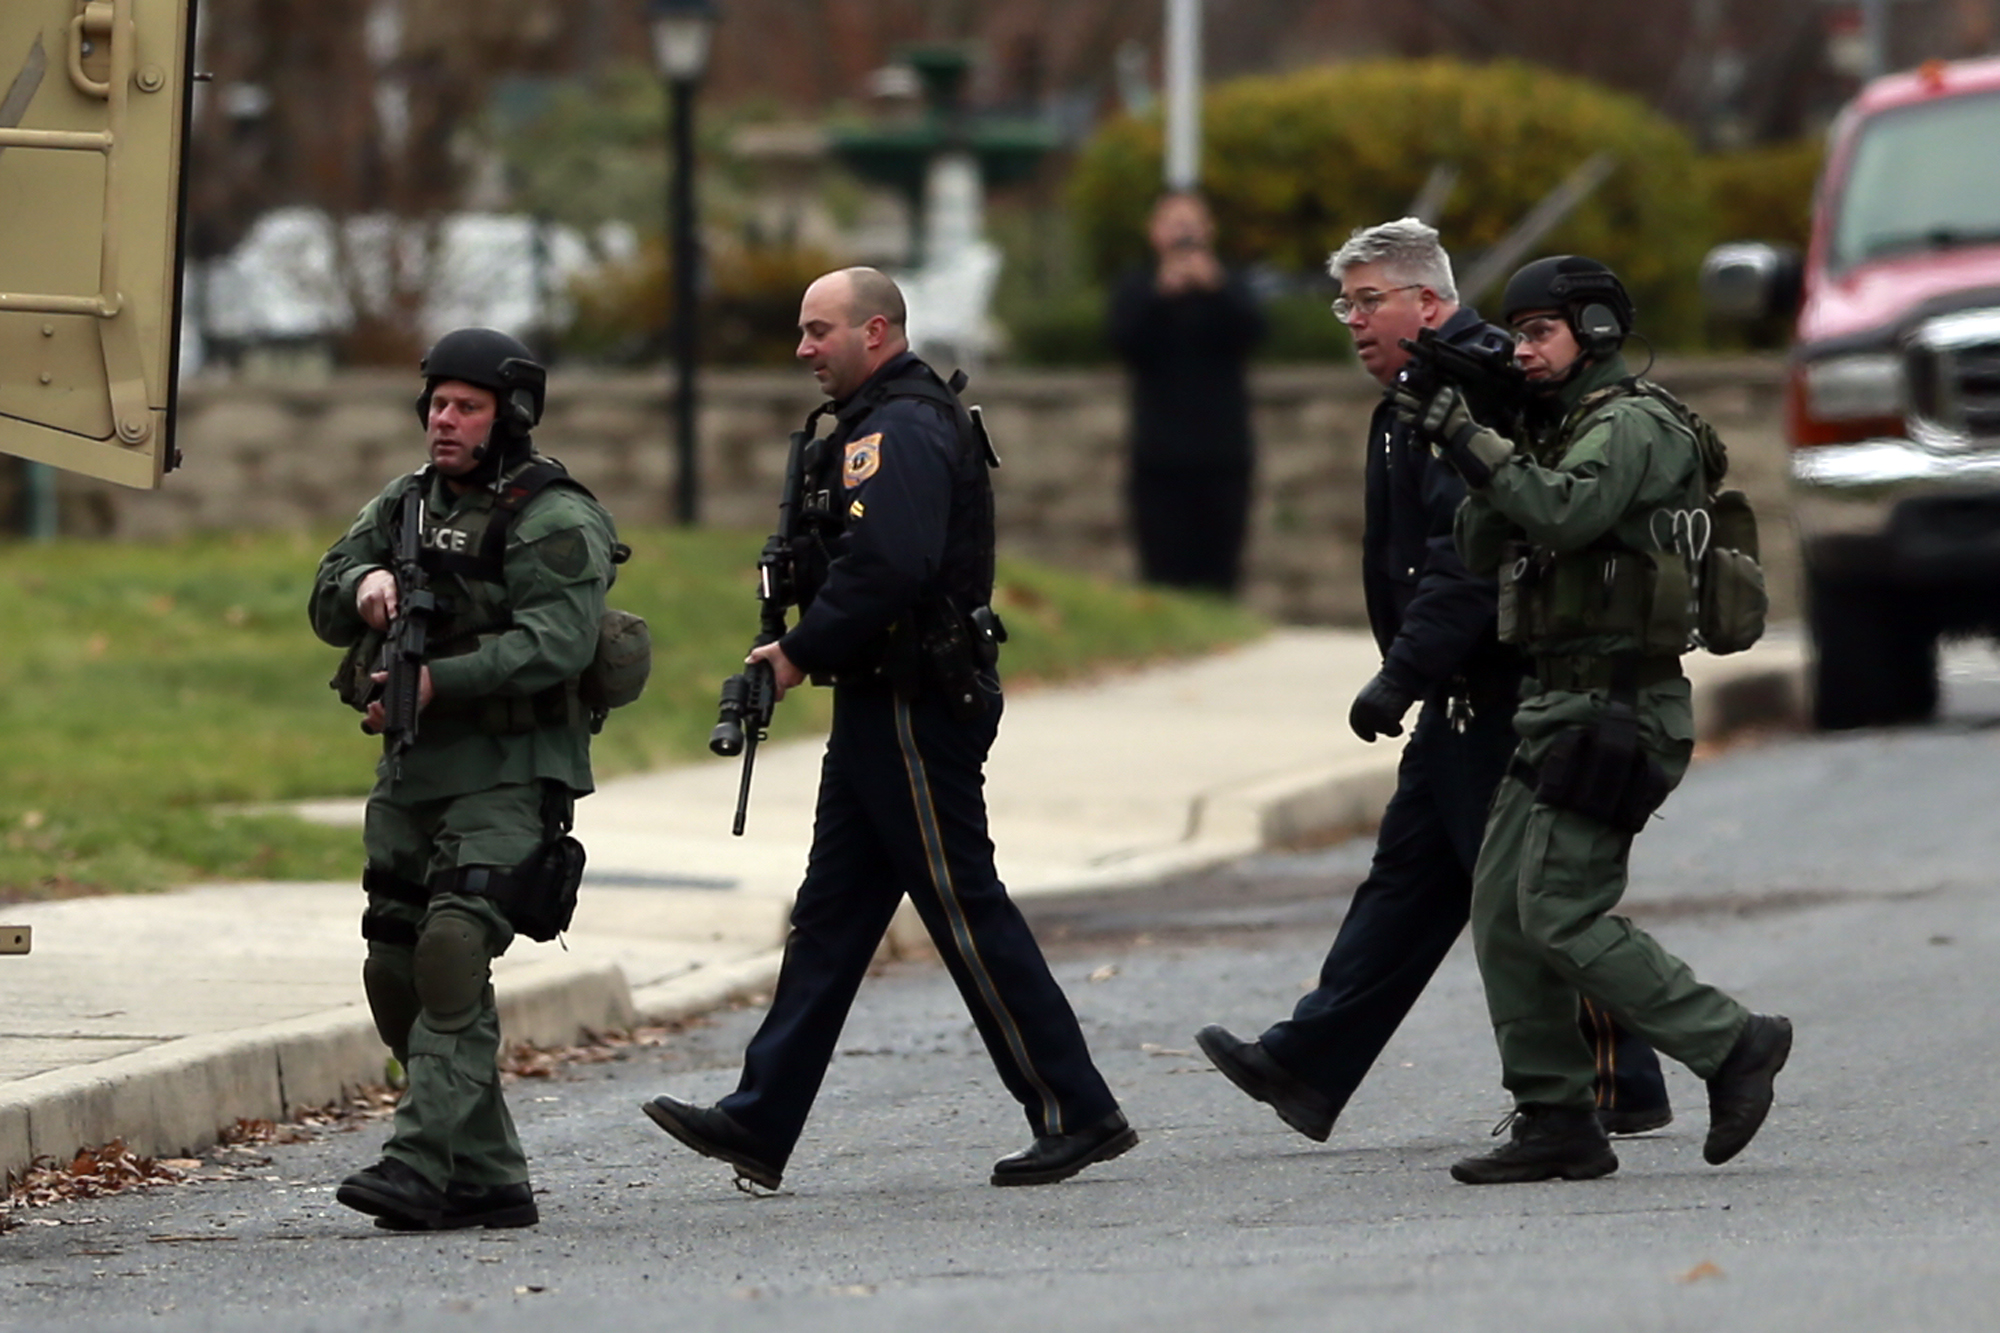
{"points": [[502, 748], [1547, 879]]}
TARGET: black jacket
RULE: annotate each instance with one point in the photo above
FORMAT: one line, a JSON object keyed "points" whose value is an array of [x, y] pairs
{"points": [[1186, 354], [910, 519], [1433, 619]]}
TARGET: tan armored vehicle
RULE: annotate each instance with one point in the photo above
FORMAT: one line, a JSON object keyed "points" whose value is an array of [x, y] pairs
{"points": [[93, 107]]}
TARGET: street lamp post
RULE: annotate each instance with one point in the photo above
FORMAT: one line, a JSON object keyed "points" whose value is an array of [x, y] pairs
{"points": [[681, 30]]}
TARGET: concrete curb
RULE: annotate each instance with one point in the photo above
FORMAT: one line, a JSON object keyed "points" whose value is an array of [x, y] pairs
{"points": [[176, 1098]]}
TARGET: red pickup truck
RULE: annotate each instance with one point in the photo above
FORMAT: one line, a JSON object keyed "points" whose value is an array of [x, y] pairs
{"points": [[1893, 392]]}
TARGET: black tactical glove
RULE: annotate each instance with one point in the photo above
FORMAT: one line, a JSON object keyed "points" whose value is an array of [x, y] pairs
{"points": [[1378, 710], [1444, 422]]}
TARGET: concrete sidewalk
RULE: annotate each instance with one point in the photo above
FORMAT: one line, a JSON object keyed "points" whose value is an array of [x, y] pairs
{"points": [[163, 1019]]}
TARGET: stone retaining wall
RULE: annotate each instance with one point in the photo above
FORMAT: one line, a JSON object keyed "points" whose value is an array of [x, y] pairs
{"points": [[270, 456]]}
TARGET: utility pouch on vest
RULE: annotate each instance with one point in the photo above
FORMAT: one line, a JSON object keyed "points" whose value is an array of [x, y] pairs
{"points": [[619, 669], [1734, 603], [1644, 595], [351, 679], [1602, 772], [1518, 574], [1669, 604]]}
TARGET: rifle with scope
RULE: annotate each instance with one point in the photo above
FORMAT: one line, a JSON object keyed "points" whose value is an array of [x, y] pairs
{"points": [[1495, 389], [750, 696]]}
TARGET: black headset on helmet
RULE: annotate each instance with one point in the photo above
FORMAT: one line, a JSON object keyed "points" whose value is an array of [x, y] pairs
{"points": [[1593, 302], [492, 360]]}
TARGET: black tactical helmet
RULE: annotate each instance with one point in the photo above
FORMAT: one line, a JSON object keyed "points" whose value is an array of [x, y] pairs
{"points": [[1592, 300], [491, 360]]}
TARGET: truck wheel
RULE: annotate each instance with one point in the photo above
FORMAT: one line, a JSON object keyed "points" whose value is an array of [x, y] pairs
{"points": [[1874, 660]]}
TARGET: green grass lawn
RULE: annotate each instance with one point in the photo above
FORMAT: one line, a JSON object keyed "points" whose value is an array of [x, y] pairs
{"points": [[145, 688]]}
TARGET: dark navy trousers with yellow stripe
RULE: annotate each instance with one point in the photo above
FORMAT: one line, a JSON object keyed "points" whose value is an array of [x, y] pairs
{"points": [[902, 810]]}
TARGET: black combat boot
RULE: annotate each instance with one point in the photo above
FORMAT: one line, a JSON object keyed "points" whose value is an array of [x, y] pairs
{"points": [[1252, 1068], [395, 1193], [490, 1206], [1549, 1143], [1739, 1096]]}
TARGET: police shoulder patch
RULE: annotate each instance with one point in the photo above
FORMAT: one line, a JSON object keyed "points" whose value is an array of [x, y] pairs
{"points": [[862, 458], [566, 553]]}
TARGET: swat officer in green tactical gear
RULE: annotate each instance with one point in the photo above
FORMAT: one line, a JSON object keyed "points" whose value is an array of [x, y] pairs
{"points": [[1586, 523], [462, 831]]}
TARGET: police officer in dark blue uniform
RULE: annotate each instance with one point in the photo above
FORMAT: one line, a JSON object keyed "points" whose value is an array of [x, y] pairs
{"points": [[896, 619], [1435, 624]]}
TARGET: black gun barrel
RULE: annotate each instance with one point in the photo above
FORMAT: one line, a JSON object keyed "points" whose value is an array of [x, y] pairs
{"points": [[750, 697]]}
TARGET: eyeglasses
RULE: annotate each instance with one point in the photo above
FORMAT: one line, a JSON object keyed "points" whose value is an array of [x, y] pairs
{"points": [[1535, 331], [1368, 302]]}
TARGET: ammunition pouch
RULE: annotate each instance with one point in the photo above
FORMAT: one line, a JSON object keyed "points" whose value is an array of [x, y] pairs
{"points": [[516, 714], [1602, 772], [1641, 595]]}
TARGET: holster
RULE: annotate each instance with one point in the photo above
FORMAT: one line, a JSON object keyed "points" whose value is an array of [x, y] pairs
{"points": [[1603, 773], [538, 896], [545, 888], [953, 648]]}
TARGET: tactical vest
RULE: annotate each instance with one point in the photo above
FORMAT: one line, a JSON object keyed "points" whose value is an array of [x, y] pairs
{"points": [[470, 546], [966, 569], [951, 632], [1669, 580]]}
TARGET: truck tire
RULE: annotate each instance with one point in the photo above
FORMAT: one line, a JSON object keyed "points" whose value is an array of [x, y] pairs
{"points": [[1874, 656]]}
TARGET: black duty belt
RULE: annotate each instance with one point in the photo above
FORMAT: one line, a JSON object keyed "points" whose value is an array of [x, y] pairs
{"points": [[1601, 673]]}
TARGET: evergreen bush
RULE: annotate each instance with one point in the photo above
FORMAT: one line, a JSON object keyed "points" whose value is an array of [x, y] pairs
{"points": [[1292, 164]]}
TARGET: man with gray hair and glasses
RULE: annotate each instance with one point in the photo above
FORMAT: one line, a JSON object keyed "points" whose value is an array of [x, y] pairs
{"points": [[1434, 622]]}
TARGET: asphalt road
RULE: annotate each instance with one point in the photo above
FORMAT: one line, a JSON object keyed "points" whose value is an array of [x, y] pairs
{"points": [[1847, 882]]}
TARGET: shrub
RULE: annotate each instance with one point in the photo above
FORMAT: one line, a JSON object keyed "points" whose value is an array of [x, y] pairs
{"points": [[1763, 194], [1292, 164], [748, 313]]}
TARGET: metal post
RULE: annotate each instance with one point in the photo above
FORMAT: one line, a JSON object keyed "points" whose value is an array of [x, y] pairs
{"points": [[1183, 94], [685, 261]]}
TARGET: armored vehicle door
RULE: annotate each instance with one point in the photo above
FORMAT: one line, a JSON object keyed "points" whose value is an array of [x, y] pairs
{"points": [[93, 109]]}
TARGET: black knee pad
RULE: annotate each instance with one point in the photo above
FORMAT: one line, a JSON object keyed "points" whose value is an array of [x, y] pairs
{"points": [[392, 1001], [452, 967]]}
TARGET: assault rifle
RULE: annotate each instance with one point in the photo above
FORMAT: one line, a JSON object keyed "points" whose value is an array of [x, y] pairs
{"points": [[1495, 389], [404, 649], [750, 697]]}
